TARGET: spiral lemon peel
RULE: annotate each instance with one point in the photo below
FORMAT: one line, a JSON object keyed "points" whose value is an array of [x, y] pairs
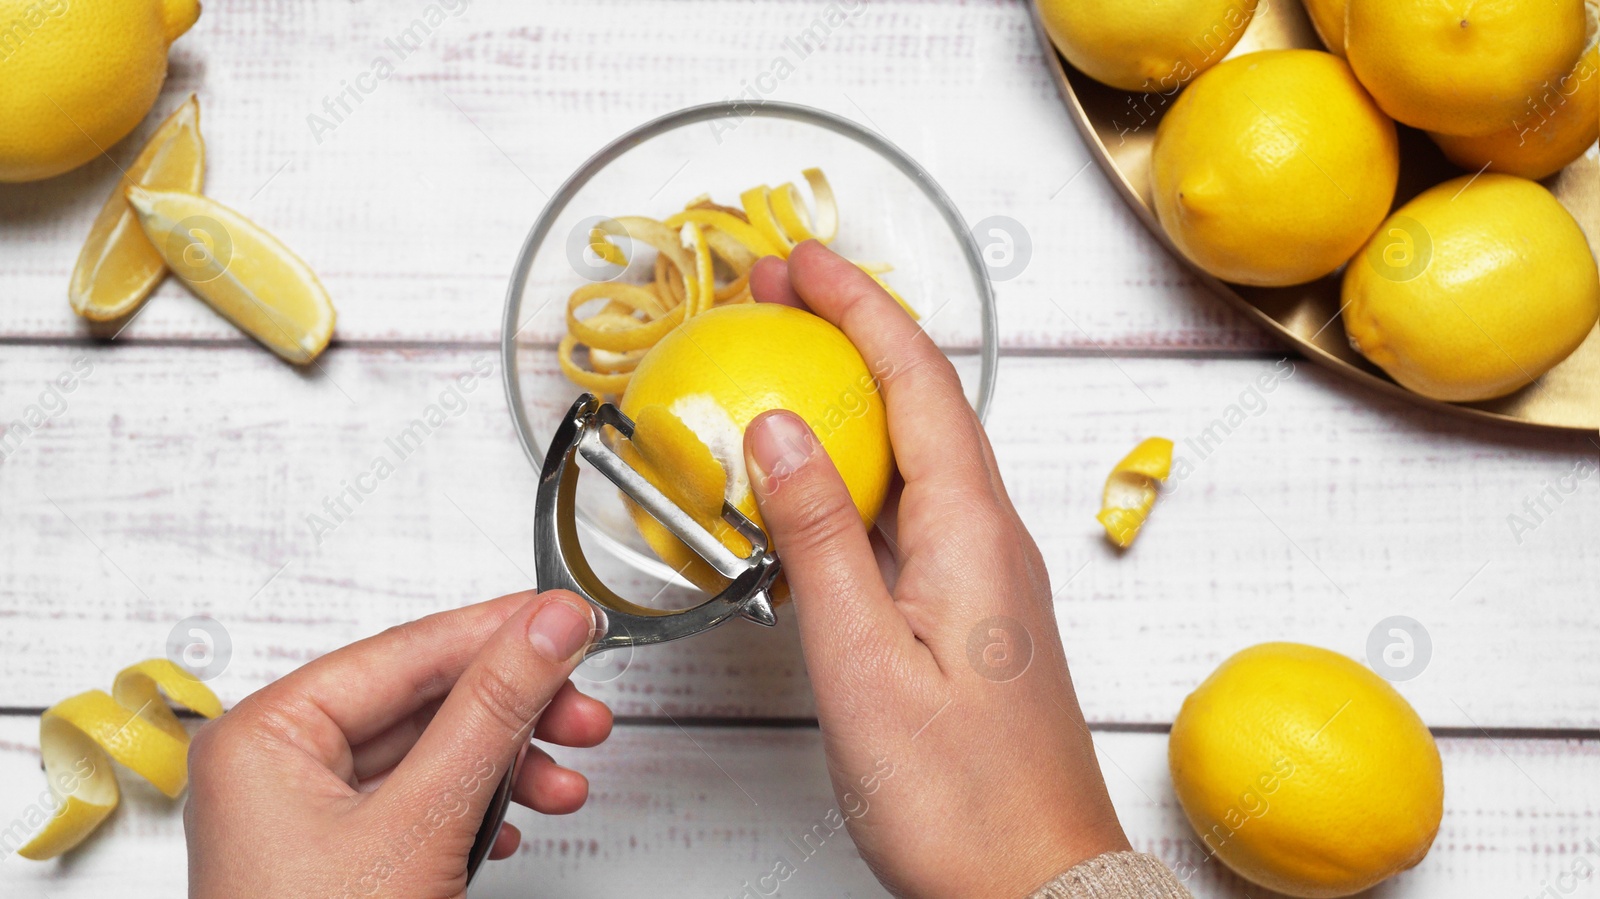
{"points": [[693, 248], [134, 725], [1130, 491]]}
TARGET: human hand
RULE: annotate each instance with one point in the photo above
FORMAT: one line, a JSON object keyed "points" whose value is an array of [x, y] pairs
{"points": [[368, 771], [955, 743]]}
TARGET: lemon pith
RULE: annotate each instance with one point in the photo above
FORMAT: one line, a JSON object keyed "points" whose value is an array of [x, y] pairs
{"points": [[78, 76], [695, 392], [1473, 289]]}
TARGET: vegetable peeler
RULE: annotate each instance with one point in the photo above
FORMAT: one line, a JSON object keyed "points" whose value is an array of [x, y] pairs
{"points": [[587, 431]]}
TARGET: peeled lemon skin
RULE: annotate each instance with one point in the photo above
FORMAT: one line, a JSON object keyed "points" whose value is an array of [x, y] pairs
{"points": [[1467, 67], [1291, 792], [1273, 168], [1145, 45], [1509, 291], [78, 75], [749, 359]]}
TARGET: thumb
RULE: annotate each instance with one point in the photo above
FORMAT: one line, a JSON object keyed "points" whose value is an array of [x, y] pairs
{"points": [[489, 715], [840, 596]]}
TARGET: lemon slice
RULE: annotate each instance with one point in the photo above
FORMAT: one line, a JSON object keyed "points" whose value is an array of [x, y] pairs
{"points": [[117, 267], [240, 270], [1130, 491], [79, 737]]}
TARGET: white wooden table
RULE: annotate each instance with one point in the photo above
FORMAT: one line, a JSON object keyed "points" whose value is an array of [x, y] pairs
{"points": [[177, 478]]}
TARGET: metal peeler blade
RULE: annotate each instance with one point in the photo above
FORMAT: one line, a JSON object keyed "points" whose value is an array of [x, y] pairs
{"points": [[561, 564]]}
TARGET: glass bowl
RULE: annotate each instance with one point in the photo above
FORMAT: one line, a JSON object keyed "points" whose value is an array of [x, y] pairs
{"points": [[890, 210]]}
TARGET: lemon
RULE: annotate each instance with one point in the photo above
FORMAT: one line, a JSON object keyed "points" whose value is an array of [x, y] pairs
{"points": [[1327, 17], [696, 391], [1473, 289], [77, 75], [1462, 66], [1274, 167], [1305, 772], [117, 267], [1145, 45], [240, 270], [1561, 123]]}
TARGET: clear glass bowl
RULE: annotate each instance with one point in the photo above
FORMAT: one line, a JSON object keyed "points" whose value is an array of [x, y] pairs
{"points": [[890, 210]]}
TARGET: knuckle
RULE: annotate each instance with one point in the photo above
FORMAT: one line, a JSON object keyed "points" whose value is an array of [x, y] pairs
{"points": [[502, 699], [821, 516]]}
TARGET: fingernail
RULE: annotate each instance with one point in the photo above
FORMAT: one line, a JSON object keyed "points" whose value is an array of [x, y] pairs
{"points": [[779, 444], [558, 631]]}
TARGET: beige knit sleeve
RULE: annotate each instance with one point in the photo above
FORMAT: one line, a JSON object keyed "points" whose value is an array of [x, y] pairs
{"points": [[1116, 875]]}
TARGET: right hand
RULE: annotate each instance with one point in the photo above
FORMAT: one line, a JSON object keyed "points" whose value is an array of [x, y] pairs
{"points": [[955, 743]]}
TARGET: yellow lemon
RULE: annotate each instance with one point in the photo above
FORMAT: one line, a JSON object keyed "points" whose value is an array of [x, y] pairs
{"points": [[1305, 772], [1462, 66], [696, 391], [1274, 167], [1327, 16], [1559, 124], [77, 75], [1473, 289], [1145, 45]]}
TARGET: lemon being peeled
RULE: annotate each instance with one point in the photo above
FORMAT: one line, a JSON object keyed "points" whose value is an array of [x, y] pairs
{"points": [[695, 392], [1145, 45], [1274, 167], [77, 75], [1305, 772], [1462, 66], [1473, 289]]}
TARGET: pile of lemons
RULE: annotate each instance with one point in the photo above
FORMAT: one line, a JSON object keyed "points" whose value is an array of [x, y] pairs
{"points": [[1279, 167]]}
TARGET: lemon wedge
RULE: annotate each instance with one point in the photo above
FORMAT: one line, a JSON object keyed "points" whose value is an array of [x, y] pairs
{"points": [[240, 270], [117, 267], [1130, 491], [79, 737]]}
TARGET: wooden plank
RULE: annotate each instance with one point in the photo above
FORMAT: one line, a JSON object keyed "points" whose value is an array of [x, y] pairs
{"points": [[167, 488], [702, 814], [413, 206]]}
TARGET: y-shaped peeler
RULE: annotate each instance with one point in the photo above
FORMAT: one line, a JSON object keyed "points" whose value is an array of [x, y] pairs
{"points": [[620, 623]]}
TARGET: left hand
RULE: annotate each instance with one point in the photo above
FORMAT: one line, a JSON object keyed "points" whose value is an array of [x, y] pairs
{"points": [[368, 771]]}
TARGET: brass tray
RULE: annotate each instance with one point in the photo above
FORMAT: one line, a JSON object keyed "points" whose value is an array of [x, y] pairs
{"points": [[1120, 129]]}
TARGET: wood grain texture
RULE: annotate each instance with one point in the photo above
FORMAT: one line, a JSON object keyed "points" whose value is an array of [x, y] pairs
{"points": [[699, 814], [177, 481], [413, 206]]}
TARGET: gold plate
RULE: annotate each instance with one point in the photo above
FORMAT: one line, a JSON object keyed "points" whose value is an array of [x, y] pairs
{"points": [[1120, 129]]}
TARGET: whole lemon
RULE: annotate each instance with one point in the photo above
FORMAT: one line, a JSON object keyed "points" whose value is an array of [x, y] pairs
{"points": [[1305, 772], [1473, 289], [1462, 66], [1561, 123], [77, 75], [694, 393], [1274, 167], [1327, 17], [1145, 45]]}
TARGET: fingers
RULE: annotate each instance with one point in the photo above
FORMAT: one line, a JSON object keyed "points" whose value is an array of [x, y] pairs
{"points": [[937, 439], [490, 714], [769, 283], [353, 694], [549, 788], [847, 616], [505, 842]]}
